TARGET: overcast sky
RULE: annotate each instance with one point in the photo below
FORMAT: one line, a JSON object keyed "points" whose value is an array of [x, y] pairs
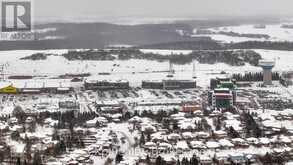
{"points": [[161, 8]]}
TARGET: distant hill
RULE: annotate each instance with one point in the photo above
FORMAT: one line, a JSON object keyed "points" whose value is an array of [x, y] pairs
{"points": [[175, 35], [99, 35]]}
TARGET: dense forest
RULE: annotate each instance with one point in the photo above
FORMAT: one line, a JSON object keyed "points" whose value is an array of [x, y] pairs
{"points": [[214, 45], [262, 45], [233, 34], [258, 76], [231, 57], [36, 56], [236, 58], [101, 35]]}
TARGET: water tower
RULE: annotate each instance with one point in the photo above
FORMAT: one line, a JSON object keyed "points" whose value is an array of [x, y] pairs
{"points": [[267, 66]]}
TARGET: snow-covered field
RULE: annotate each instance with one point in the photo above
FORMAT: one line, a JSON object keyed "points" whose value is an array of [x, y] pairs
{"points": [[166, 52], [133, 70], [276, 33], [284, 59]]}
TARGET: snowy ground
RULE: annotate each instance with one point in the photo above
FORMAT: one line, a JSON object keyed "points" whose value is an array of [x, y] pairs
{"points": [[132, 70], [276, 33], [135, 71]]}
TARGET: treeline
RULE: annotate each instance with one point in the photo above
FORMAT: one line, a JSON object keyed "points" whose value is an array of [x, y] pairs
{"points": [[231, 33], [160, 161], [99, 55], [187, 45], [248, 35], [258, 76], [231, 57], [214, 45], [36, 56], [99, 35], [269, 45], [251, 127], [234, 58]]}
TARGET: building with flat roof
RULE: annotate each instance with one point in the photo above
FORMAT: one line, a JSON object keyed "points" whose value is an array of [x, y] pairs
{"points": [[14, 87], [223, 93], [225, 82], [105, 84], [169, 84], [222, 98]]}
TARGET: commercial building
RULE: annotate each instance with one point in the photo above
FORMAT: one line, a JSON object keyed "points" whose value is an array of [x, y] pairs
{"points": [[169, 84], [222, 98], [191, 107], [68, 104], [32, 87], [223, 93], [152, 84], [105, 84], [222, 83]]}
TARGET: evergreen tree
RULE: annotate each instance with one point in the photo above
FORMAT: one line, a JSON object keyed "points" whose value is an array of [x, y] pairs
{"points": [[18, 161], [175, 126], [142, 139], [81, 143], [194, 160], [62, 146], [232, 133], [159, 160], [149, 137], [148, 159], [118, 158], [37, 160], [19, 113]]}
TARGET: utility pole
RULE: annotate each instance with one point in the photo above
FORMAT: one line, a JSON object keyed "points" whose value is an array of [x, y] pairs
{"points": [[2, 71]]}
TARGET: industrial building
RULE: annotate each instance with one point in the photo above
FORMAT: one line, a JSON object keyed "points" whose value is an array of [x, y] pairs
{"points": [[105, 84], [169, 84]]}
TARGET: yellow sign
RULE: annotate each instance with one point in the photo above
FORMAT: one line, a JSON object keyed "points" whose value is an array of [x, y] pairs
{"points": [[9, 89]]}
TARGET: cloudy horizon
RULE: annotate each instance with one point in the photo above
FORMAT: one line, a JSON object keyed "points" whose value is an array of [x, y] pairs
{"points": [[117, 9]]}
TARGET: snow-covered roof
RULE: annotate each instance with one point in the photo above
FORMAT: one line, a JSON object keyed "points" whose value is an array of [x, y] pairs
{"points": [[150, 144], [181, 145], [197, 144], [226, 143], [212, 144]]}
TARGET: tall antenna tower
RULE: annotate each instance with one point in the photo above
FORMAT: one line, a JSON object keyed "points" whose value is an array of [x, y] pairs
{"points": [[193, 70]]}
